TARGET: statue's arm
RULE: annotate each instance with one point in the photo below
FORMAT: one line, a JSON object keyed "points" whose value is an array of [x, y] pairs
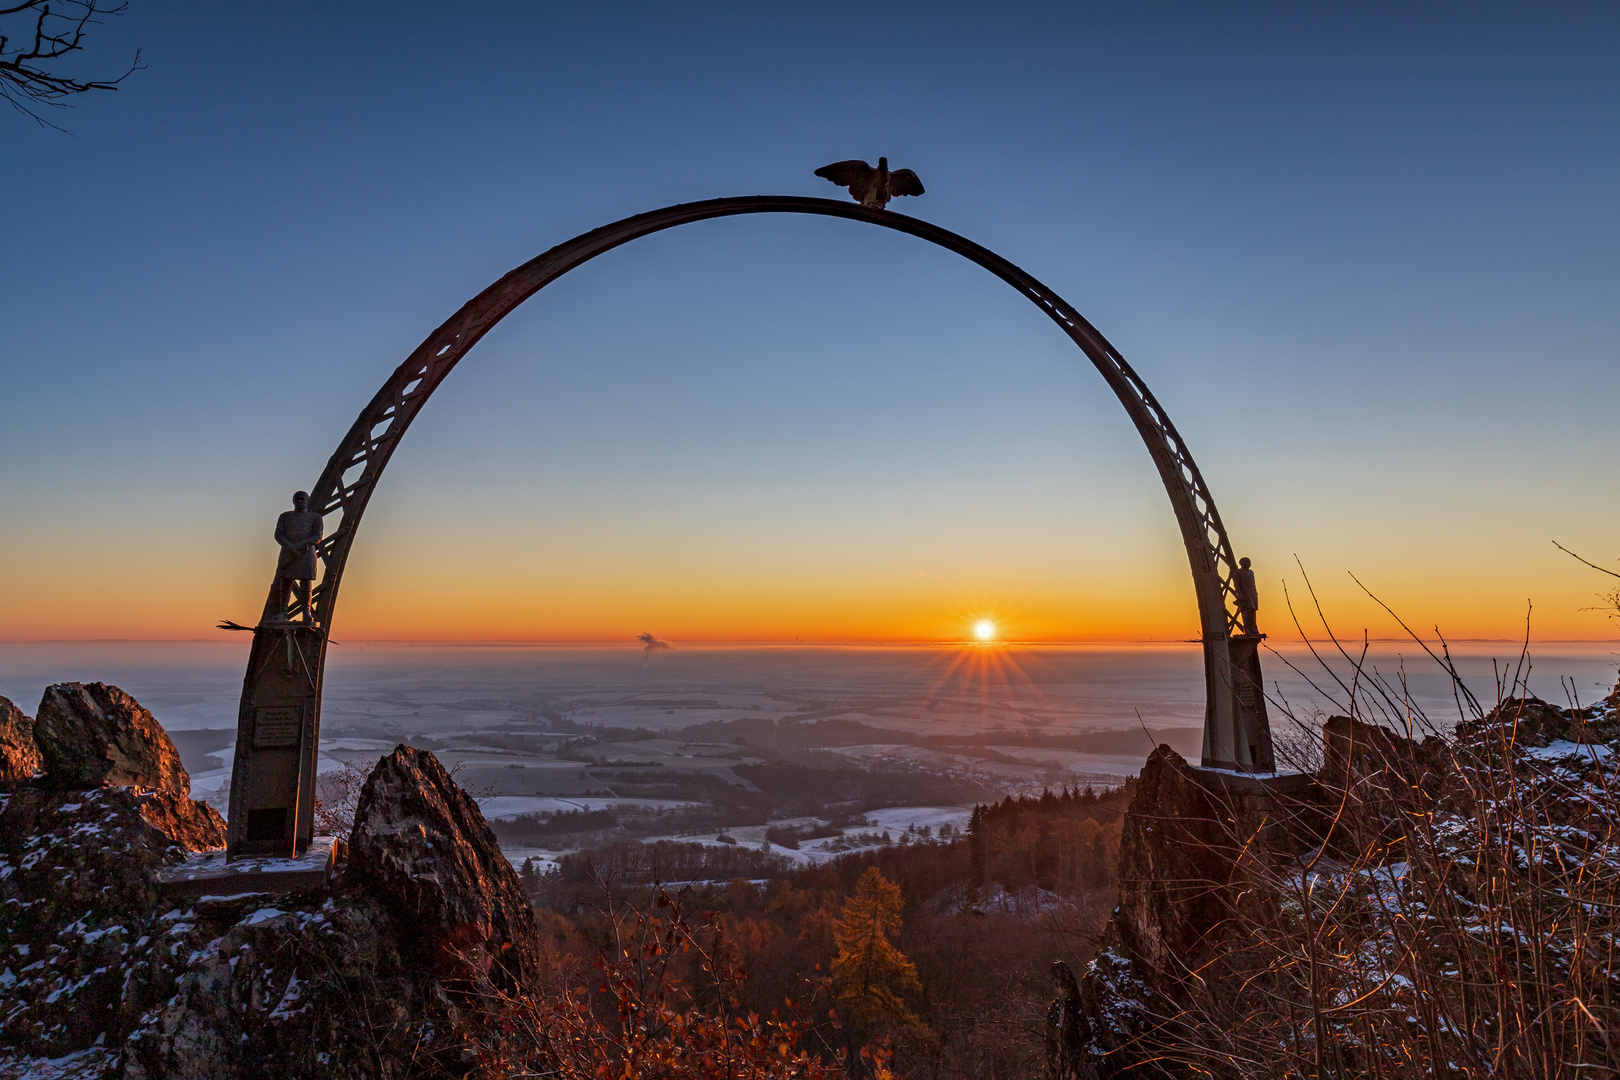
{"points": [[281, 534]]}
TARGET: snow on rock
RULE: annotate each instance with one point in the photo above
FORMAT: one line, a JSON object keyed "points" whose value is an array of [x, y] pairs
{"points": [[1560, 749], [1187, 885], [77, 880], [102, 976]]}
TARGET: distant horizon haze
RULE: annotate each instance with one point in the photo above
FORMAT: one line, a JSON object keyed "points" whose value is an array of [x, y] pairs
{"points": [[743, 644]]}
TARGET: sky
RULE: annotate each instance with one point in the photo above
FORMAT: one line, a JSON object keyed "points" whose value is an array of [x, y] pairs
{"points": [[1365, 255]]}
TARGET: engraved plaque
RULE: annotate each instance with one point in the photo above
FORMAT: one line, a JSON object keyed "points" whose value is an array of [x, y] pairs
{"points": [[278, 726]]}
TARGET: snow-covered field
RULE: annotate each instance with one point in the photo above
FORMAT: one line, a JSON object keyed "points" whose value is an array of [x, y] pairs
{"points": [[499, 807], [899, 818], [894, 820]]}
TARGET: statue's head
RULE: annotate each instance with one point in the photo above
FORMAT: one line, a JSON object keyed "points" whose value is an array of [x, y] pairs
{"points": [[1244, 562], [300, 500], [883, 163]]}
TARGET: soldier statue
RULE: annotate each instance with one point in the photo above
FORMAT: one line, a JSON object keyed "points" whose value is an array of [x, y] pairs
{"points": [[1248, 597], [298, 531]]}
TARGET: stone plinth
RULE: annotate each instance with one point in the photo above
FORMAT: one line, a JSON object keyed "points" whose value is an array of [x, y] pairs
{"points": [[209, 874]]}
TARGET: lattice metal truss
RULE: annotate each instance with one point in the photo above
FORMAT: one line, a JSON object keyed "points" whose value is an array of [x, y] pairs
{"points": [[350, 476]]}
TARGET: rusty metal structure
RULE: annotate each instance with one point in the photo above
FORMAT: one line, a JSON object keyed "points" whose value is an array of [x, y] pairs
{"points": [[278, 727]]}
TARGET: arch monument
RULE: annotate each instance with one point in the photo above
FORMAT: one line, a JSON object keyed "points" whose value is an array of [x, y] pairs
{"points": [[278, 725]]}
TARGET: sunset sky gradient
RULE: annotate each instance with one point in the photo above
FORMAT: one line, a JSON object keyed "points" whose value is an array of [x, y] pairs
{"points": [[1368, 257]]}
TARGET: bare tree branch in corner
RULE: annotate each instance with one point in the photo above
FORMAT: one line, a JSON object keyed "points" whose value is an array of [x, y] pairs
{"points": [[1611, 599], [30, 55]]}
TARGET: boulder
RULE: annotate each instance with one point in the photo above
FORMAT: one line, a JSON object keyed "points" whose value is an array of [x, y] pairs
{"points": [[20, 760], [1376, 759], [423, 851], [191, 823], [92, 734]]}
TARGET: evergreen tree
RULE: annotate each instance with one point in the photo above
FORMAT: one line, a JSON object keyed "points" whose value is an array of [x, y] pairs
{"points": [[870, 975], [1046, 855], [979, 844]]}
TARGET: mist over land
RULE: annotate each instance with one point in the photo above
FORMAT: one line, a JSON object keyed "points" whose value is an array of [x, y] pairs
{"points": [[568, 744]]}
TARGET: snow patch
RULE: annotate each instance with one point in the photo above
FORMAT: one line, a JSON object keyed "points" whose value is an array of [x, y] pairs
{"points": [[263, 915]]}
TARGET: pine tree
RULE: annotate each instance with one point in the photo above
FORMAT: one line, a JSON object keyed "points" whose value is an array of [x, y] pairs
{"points": [[870, 975], [979, 844]]}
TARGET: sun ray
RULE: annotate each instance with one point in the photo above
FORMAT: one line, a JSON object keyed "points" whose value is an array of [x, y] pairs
{"points": [[975, 670]]}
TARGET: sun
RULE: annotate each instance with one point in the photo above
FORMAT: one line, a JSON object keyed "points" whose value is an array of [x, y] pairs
{"points": [[984, 629]]}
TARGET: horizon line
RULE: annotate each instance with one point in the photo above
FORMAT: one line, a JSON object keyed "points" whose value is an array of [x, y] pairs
{"points": [[630, 644]]}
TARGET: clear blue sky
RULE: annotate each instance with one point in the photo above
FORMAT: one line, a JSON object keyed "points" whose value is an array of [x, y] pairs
{"points": [[1365, 254]]}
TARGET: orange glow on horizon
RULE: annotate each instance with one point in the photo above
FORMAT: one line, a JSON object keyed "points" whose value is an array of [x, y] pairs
{"points": [[83, 587]]}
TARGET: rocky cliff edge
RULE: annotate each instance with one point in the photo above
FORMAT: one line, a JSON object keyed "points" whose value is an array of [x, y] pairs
{"points": [[389, 972]]}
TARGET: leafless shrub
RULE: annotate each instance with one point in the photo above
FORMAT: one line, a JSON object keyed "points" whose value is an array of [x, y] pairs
{"points": [[1447, 910], [337, 796], [1297, 741]]}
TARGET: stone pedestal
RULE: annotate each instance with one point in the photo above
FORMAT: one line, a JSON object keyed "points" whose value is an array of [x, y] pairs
{"points": [[211, 873], [1272, 805], [1237, 732], [278, 729]]}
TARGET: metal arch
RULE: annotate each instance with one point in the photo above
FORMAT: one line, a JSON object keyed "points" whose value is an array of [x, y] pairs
{"points": [[1236, 731]]}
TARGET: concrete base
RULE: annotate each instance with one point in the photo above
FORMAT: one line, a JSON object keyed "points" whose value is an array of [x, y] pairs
{"points": [[1257, 783], [208, 874]]}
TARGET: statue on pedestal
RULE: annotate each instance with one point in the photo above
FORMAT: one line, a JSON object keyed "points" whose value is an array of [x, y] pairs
{"points": [[298, 531], [1248, 597]]}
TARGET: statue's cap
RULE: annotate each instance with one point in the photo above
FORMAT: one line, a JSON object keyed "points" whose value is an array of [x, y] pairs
{"points": [[301, 495]]}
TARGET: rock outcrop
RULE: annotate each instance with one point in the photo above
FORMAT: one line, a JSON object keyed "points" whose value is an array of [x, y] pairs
{"points": [[1175, 858], [1372, 757], [1228, 887], [94, 734], [390, 972], [422, 848], [1182, 846], [299, 985], [77, 882], [189, 822], [96, 811], [1530, 723], [20, 760]]}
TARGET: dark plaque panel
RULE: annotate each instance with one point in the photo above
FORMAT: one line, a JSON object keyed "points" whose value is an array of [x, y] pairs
{"points": [[278, 726]]}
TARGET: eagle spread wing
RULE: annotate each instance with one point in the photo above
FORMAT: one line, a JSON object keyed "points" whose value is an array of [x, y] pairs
{"points": [[904, 182], [855, 175]]}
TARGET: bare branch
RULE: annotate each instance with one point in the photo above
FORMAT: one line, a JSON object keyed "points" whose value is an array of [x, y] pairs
{"points": [[1578, 559], [28, 75]]}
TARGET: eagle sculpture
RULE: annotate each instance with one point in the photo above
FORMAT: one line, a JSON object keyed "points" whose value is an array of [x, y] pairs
{"points": [[872, 188]]}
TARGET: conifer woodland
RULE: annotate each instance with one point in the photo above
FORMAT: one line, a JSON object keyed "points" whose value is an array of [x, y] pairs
{"points": [[928, 957]]}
